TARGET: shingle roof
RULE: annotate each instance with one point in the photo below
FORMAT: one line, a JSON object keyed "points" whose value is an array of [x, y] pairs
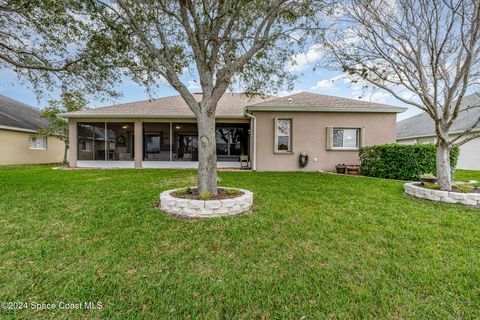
{"points": [[230, 105], [422, 124], [234, 105], [15, 114], [312, 102]]}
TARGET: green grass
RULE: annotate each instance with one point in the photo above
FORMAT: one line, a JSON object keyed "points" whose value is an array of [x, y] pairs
{"points": [[317, 246], [465, 175]]}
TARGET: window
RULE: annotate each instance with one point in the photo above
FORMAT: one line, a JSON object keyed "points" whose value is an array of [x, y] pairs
{"points": [[345, 138], [283, 135], [35, 142], [426, 140], [86, 146], [231, 142]]}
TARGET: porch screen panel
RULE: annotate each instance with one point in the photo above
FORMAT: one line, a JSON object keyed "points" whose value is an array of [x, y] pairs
{"points": [[185, 141], [91, 141], [232, 141], [120, 142], [156, 141]]}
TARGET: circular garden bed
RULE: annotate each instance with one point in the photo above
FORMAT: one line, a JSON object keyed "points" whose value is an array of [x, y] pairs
{"points": [[187, 203], [416, 189]]}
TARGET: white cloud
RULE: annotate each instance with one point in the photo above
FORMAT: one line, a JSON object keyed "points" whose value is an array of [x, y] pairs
{"points": [[377, 96], [301, 61], [193, 85], [329, 84], [288, 93], [323, 84]]}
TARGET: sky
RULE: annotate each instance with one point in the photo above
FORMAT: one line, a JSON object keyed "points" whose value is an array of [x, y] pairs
{"points": [[310, 79]]}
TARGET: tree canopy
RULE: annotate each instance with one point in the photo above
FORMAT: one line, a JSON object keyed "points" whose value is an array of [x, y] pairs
{"points": [[425, 53]]}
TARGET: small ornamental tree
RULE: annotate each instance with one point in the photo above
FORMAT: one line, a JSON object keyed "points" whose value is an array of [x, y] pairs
{"points": [[425, 53], [220, 42], [58, 126]]}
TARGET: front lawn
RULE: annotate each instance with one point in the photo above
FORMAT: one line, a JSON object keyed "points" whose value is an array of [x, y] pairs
{"points": [[317, 246]]}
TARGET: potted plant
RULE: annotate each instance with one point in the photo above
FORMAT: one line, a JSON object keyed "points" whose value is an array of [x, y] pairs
{"points": [[341, 168], [352, 169], [428, 178]]}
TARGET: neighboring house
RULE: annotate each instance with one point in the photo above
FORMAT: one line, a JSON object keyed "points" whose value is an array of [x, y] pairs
{"points": [[19, 142], [421, 129], [271, 132]]}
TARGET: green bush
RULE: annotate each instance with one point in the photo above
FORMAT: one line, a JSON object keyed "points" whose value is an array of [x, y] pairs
{"points": [[400, 161], [184, 191], [464, 188], [205, 195], [232, 192]]}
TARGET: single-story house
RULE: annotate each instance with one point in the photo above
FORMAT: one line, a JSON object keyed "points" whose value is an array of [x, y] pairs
{"points": [[421, 129], [271, 132], [19, 139]]}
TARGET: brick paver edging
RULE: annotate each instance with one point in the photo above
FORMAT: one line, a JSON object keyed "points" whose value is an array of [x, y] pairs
{"points": [[189, 208], [416, 190]]}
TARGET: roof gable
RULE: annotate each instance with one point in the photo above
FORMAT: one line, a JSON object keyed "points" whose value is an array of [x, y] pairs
{"points": [[230, 105], [233, 105], [422, 125], [313, 102], [15, 114]]}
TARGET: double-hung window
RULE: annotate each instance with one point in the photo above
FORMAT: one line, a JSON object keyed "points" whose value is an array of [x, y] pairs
{"points": [[37, 143], [283, 135], [345, 138]]}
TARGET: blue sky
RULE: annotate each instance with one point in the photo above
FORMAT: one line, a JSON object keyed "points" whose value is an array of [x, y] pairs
{"points": [[313, 80]]}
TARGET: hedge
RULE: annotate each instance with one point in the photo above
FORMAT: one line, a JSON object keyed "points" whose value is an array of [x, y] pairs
{"points": [[401, 161]]}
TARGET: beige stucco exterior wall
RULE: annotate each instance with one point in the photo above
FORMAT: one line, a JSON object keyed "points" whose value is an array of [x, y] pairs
{"points": [[310, 136], [14, 149], [469, 157]]}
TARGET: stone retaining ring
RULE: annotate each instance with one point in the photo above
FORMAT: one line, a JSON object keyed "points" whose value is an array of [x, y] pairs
{"points": [[416, 190], [190, 208]]}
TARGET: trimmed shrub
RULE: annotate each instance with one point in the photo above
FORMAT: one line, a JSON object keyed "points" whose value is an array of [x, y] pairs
{"points": [[401, 161]]}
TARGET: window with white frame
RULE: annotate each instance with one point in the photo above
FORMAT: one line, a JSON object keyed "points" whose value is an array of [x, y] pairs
{"points": [[346, 138], [283, 135], [36, 142]]}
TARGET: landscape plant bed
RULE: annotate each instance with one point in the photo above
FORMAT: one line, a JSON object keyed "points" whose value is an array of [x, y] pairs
{"points": [[462, 193], [458, 187], [188, 203], [193, 194]]}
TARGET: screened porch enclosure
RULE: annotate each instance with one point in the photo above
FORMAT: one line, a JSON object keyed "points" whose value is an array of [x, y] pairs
{"points": [[178, 142], [163, 144]]}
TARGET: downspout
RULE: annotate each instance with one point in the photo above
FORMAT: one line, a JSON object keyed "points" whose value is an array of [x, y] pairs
{"points": [[254, 162]]}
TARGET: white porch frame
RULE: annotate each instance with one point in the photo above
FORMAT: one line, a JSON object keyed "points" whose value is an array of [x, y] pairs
{"points": [[151, 164], [138, 161]]}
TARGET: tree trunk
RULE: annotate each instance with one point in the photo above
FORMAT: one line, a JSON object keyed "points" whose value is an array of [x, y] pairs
{"points": [[65, 154], [444, 173], [207, 155]]}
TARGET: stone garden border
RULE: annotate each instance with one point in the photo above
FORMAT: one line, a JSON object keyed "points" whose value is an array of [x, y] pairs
{"points": [[416, 190], [190, 208]]}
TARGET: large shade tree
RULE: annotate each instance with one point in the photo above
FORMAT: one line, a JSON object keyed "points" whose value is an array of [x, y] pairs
{"points": [[425, 53], [51, 43], [219, 42]]}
